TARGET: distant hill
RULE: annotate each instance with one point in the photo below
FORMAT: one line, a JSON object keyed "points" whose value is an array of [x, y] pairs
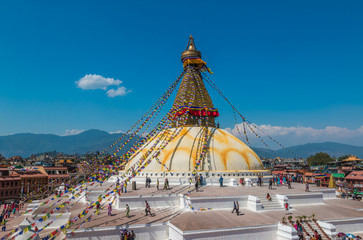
{"points": [[25, 144], [304, 151]]}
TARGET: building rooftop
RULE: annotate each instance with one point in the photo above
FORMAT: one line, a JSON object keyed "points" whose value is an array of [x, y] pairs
{"points": [[355, 175]]}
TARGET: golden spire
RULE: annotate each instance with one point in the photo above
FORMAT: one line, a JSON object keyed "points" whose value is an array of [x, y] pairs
{"points": [[192, 94], [191, 51], [191, 43]]}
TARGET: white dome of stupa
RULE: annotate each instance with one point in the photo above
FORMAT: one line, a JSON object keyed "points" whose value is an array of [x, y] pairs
{"points": [[224, 152]]}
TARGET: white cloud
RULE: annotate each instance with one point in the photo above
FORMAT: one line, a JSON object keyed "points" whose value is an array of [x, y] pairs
{"points": [[94, 81], [73, 132], [289, 136], [118, 131], [120, 91]]}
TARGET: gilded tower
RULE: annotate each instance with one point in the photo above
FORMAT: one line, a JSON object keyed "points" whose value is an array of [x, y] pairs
{"points": [[192, 98]]}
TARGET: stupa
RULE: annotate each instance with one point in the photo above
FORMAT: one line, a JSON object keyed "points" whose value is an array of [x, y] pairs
{"points": [[194, 142]]}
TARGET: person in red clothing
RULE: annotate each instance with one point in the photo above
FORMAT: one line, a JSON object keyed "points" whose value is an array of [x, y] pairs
{"points": [[286, 206], [269, 197]]}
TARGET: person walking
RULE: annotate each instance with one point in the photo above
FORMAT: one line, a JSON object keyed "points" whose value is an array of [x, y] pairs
{"points": [[133, 236], [98, 206], [110, 209], [147, 209], [307, 187], [157, 184], [261, 181], [221, 181], [196, 185], [237, 208], [149, 182], [234, 206], [270, 184], [165, 184], [127, 211]]}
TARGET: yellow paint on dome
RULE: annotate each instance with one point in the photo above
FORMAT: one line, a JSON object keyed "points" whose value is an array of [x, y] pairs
{"points": [[225, 152]]}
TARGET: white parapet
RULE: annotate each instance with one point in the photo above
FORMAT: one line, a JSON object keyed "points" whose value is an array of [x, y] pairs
{"points": [[329, 229], [248, 182], [265, 232], [282, 199], [155, 201], [218, 203], [285, 232], [209, 178], [329, 193], [347, 225], [155, 231], [254, 203], [233, 182], [305, 198]]}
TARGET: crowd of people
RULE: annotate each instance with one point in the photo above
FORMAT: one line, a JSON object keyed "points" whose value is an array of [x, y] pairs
{"points": [[9, 209], [346, 193], [148, 183], [127, 235]]}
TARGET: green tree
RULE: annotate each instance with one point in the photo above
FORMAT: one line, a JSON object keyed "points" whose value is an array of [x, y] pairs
{"points": [[319, 159]]}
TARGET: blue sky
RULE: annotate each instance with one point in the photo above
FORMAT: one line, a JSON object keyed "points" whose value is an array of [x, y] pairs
{"points": [[283, 64]]}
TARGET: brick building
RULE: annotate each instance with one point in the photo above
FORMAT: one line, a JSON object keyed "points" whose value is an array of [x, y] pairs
{"points": [[56, 176], [33, 181], [10, 185], [355, 180]]}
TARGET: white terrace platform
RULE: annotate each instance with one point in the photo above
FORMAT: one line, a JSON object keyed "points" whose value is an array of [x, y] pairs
{"points": [[212, 218]]}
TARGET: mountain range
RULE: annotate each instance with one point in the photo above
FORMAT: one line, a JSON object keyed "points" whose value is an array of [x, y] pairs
{"points": [[25, 144]]}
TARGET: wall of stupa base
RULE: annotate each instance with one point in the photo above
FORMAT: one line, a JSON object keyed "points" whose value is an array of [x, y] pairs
{"points": [[180, 201], [230, 178], [157, 231], [164, 231]]}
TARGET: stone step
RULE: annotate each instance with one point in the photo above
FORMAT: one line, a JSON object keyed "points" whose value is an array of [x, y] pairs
{"points": [[272, 204], [272, 208], [315, 227], [275, 207]]}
